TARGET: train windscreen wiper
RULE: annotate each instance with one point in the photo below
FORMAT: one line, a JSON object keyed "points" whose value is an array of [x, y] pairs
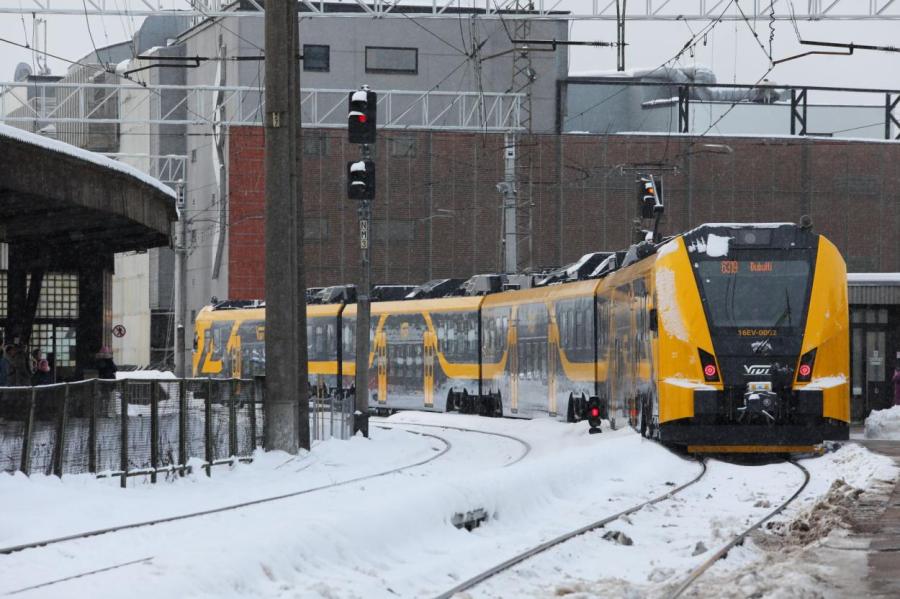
{"points": [[787, 310]]}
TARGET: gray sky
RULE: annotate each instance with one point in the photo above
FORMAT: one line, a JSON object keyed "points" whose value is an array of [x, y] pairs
{"points": [[730, 49]]}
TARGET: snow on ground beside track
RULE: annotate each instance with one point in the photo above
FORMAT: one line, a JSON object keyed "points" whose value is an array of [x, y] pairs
{"points": [[381, 537], [666, 539], [884, 424], [145, 374], [392, 536], [41, 507]]}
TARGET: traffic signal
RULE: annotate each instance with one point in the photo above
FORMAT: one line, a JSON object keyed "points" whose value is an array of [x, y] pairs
{"points": [[595, 414], [650, 196], [361, 180], [363, 116]]}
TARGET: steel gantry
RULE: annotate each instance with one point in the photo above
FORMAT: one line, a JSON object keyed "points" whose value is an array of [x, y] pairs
{"points": [[44, 103], [638, 10]]}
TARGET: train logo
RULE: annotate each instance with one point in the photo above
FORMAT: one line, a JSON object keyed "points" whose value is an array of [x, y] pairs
{"points": [[757, 369]]}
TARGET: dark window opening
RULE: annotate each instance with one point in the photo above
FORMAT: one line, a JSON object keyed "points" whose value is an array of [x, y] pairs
{"points": [[316, 58]]}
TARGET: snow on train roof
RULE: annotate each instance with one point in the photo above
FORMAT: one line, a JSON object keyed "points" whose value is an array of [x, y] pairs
{"points": [[76, 152]]}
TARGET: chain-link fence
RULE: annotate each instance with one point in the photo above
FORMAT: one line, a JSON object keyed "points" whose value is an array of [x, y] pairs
{"points": [[128, 427]]}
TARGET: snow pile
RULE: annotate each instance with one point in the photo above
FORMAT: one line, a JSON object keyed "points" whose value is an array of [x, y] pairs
{"points": [[830, 512], [145, 374], [884, 424]]}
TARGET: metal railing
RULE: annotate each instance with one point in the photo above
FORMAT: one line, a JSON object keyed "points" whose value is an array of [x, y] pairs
{"points": [[330, 414], [127, 427]]}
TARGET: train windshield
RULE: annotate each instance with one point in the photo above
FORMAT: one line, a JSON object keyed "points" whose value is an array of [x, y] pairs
{"points": [[754, 293]]}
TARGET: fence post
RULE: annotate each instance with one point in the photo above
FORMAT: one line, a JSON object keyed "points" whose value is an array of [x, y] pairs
{"points": [[62, 422], [123, 402], [92, 429], [182, 424], [26, 439], [154, 429], [253, 389], [208, 412], [232, 418]]}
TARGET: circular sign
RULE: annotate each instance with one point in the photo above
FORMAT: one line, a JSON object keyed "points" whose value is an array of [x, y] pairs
{"points": [[118, 331], [710, 370], [805, 370]]}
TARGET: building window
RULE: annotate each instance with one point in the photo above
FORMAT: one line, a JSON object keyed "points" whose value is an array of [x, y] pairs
{"points": [[403, 146], [315, 143], [59, 296], [381, 59], [316, 58]]}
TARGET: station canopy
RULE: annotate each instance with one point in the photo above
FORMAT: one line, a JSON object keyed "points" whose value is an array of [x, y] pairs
{"points": [[54, 194]]}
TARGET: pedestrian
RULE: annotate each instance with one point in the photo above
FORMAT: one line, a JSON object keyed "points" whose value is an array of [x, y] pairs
{"points": [[19, 376], [896, 381], [106, 368], [42, 374], [4, 368]]}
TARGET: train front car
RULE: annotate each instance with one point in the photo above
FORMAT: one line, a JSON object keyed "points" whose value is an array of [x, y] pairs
{"points": [[753, 339]]}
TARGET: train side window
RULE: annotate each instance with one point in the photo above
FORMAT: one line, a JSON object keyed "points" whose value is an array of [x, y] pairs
{"points": [[579, 329]]}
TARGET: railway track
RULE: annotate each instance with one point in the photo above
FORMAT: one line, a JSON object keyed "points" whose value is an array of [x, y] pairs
{"points": [[231, 507], [723, 551], [525, 444], [529, 553]]}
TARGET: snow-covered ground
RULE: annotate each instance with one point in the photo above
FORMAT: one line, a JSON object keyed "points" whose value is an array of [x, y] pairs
{"points": [[393, 536], [883, 424]]}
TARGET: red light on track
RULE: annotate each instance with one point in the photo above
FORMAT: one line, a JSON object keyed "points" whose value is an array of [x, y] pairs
{"points": [[595, 412], [362, 118], [709, 370], [805, 370]]}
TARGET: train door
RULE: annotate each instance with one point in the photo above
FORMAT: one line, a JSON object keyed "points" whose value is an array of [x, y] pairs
{"points": [[552, 361], [429, 346], [871, 387], [381, 360]]}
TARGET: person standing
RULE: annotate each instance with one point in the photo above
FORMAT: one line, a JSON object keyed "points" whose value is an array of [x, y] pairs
{"points": [[4, 368], [41, 374]]}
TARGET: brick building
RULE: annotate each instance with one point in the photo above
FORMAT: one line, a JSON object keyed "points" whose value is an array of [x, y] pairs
{"points": [[438, 213]]}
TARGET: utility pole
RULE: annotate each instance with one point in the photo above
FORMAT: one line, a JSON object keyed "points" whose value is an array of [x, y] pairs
{"points": [[620, 34], [363, 316], [510, 207], [287, 392], [180, 281]]}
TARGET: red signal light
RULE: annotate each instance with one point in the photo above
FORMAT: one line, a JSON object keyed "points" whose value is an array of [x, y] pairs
{"points": [[709, 370], [362, 118], [805, 370], [595, 412]]}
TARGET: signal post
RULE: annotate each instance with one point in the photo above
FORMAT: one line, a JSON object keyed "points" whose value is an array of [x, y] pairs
{"points": [[361, 122]]}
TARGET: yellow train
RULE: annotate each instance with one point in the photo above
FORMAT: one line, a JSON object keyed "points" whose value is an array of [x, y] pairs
{"points": [[725, 338]]}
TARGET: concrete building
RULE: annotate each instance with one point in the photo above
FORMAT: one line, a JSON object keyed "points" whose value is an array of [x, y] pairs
{"points": [[407, 62]]}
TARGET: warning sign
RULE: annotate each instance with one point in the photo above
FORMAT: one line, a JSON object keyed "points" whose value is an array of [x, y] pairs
{"points": [[118, 331]]}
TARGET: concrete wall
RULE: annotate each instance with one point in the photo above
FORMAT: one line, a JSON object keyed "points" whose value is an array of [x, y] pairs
{"points": [[131, 308]]}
